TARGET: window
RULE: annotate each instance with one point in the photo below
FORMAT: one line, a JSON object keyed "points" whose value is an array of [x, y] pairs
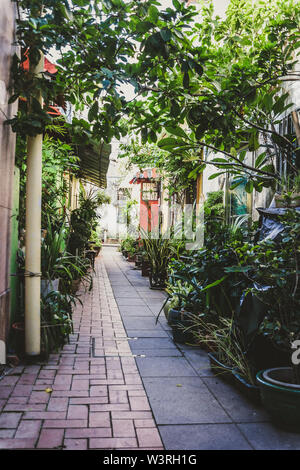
{"points": [[149, 191]]}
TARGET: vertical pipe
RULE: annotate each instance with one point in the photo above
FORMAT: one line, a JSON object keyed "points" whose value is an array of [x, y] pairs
{"points": [[33, 237]]}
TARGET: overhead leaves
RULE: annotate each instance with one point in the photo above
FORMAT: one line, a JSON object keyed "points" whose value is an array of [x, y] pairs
{"points": [[176, 131], [153, 14], [93, 111]]}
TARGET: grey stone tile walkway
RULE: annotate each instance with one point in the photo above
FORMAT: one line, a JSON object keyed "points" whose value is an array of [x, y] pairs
{"points": [[192, 408]]}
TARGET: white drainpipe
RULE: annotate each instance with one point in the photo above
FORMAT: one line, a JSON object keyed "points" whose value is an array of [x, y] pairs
{"points": [[33, 237]]}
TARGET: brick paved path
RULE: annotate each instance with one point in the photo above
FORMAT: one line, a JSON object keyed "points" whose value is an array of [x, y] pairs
{"points": [[97, 399]]}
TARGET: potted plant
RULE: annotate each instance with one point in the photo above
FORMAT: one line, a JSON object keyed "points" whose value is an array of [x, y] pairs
{"points": [[78, 272], [192, 297], [185, 303], [145, 266], [84, 219], [95, 243], [175, 287], [128, 248], [226, 353], [53, 261], [177, 291], [139, 256], [56, 324], [56, 321], [60, 268], [123, 249], [159, 251], [280, 386], [131, 256]]}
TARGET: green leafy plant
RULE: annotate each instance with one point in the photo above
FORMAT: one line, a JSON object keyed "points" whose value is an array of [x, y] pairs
{"points": [[214, 288], [78, 271], [159, 253], [224, 341], [129, 245], [214, 205], [226, 96], [84, 219], [53, 258], [59, 162], [56, 320], [175, 288], [98, 48], [57, 263], [277, 266]]}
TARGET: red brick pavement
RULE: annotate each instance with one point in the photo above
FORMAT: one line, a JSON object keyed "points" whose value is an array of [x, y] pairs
{"points": [[94, 399]]}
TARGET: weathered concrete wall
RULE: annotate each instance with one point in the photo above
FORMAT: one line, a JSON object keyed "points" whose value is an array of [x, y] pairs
{"points": [[7, 157]]}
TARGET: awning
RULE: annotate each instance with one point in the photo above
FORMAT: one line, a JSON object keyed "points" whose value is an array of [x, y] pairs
{"points": [[150, 174], [94, 161]]}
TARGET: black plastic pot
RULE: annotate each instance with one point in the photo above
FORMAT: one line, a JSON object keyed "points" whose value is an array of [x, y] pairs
{"points": [[145, 268], [179, 320], [138, 261], [250, 391], [281, 397], [156, 282]]}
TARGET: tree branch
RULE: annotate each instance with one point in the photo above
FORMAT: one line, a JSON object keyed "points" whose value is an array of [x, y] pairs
{"points": [[243, 165]]}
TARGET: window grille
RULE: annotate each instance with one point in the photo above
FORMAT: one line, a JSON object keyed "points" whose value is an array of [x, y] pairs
{"points": [[149, 192]]}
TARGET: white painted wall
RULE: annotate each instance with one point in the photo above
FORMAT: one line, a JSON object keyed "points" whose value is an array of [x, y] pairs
{"points": [[118, 176]]}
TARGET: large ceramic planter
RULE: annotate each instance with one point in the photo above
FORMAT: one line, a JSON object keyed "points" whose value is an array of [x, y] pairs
{"points": [[280, 397]]}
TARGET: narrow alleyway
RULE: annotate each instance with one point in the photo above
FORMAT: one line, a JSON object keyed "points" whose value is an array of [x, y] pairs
{"points": [[97, 393]]}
